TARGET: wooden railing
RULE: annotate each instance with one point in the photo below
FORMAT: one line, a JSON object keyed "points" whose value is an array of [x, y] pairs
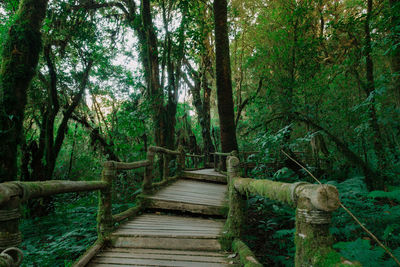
{"points": [[13, 194], [314, 205], [220, 159]]}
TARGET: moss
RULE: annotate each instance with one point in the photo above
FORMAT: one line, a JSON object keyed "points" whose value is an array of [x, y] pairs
{"points": [[20, 56], [246, 256], [266, 188], [313, 242], [235, 218]]}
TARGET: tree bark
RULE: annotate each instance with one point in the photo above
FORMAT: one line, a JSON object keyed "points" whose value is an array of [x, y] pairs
{"points": [[395, 55], [19, 60], [369, 89], [224, 82]]}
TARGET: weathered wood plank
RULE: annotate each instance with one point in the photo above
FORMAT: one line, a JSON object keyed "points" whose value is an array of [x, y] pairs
{"points": [[168, 252], [166, 243], [193, 196], [152, 262], [161, 256], [205, 174]]}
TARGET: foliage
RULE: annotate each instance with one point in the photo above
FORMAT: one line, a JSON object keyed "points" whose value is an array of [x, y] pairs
{"points": [[300, 84]]}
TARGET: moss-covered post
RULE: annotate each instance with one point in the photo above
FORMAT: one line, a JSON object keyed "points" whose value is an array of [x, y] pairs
{"points": [[236, 215], [104, 216], [10, 236], [165, 166], [313, 241], [148, 174], [181, 159]]}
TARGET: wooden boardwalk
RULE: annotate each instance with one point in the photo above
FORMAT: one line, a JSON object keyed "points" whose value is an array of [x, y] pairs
{"points": [[166, 239]]}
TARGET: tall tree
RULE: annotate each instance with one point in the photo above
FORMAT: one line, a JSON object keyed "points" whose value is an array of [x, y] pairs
{"points": [[19, 60], [395, 60], [223, 73]]}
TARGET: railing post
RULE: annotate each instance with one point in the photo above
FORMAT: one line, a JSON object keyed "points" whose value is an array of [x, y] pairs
{"points": [[236, 215], [181, 160], [10, 213], [104, 215], [312, 238], [215, 162], [165, 166], [148, 173]]}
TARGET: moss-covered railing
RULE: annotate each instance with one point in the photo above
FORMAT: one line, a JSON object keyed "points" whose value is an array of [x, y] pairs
{"points": [[220, 159], [314, 205], [196, 161], [13, 194]]}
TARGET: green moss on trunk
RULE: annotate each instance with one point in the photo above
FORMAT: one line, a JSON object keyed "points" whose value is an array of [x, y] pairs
{"points": [[19, 60]]}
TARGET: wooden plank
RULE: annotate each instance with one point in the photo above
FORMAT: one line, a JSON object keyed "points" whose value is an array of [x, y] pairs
{"points": [[163, 257], [207, 224], [205, 174], [202, 195], [193, 208], [169, 227], [169, 234], [194, 201], [168, 252], [175, 218], [152, 262], [166, 243]]}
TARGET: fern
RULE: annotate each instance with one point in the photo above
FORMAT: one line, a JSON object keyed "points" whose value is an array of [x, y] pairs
{"points": [[361, 250], [394, 195]]}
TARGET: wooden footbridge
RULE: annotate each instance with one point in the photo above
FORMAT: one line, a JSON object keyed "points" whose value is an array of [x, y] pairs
{"points": [[193, 218]]}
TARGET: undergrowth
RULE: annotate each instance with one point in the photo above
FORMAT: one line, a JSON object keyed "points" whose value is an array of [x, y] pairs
{"points": [[59, 238], [270, 225]]}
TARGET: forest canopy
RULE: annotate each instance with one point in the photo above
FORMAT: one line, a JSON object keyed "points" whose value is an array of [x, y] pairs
{"points": [[85, 81]]}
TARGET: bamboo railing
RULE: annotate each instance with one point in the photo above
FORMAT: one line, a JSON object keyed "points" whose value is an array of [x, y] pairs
{"points": [[13, 194], [314, 205]]}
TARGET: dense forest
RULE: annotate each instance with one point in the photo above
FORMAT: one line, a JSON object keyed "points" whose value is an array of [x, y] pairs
{"points": [[310, 81]]}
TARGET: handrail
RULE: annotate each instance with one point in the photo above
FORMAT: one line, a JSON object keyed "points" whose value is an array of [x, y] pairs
{"points": [[164, 150], [220, 153], [29, 190], [131, 165], [314, 205], [194, 156], [12, 194]]}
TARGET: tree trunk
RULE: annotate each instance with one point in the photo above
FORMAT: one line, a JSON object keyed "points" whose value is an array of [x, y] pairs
{"points": [[19, 60], [150, 57], [224, 82], [395, 55], [369, 89]]}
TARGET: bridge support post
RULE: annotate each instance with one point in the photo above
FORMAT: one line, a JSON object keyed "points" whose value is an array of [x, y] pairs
{"points": [[148, 174], [104, 215], [236, 214], [10, 235], [180, 160], [165, 166], [313, 241]]}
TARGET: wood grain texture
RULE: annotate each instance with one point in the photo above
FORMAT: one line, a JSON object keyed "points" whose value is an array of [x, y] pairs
{"points": [[191, 196], [205, 175]]}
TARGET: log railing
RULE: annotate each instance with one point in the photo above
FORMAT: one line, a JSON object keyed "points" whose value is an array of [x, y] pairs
{"points": [[314, 205], [197, 161], [13, 194], [220, 159]]}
